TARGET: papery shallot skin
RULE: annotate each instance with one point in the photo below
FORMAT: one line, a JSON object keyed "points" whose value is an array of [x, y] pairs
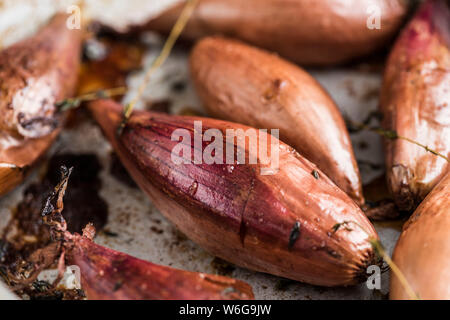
{"points": [[34, 74], [243, 84], [280, 224], [111, 275], [423, 250], [308, 32], [415, 102]]}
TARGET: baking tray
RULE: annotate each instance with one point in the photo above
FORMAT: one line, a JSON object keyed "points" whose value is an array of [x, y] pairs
{"points": [[139, 229]]}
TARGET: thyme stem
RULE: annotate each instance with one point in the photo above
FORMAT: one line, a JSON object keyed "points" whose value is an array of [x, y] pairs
{"points": [[426, 148], [73, 103], [160, 59], [393, 135], [400, 276]]}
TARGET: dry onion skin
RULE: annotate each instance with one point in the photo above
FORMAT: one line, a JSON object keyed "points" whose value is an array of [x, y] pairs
{"points": [[243, 84], [415, 101], [307, 32], [34, 74], [423, 250], [280, 224]]}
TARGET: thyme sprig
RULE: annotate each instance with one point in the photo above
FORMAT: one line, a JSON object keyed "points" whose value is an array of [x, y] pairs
{"points": [[390, 135], [160, 59], [73, 103]]}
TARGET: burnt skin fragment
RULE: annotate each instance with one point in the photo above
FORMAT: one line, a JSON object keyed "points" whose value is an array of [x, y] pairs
{"points": [[26, 232], [119, 172], [83, 203]]}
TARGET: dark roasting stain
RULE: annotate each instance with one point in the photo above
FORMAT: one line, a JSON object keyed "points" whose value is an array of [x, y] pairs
{"points": [[82, 203], [363, 145], [284, 284], [179, 237], [222, 267], [109, 233], [26, 232], [156, 230], [178, 86], [114, 59], [119, 172]]}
